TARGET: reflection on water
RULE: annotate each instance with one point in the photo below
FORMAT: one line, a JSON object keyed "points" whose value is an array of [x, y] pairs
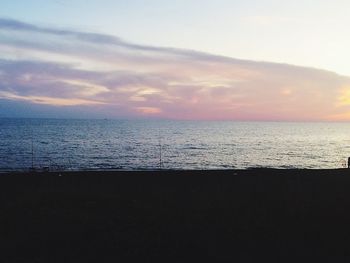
{"points": [[121, 144]]}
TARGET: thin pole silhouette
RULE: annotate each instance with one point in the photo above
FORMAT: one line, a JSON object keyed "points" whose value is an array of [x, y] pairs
{"points": [[160, 151], [32, 151]]}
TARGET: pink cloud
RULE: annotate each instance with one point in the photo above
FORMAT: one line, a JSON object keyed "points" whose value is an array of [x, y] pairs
{"points": [[60, 68]]}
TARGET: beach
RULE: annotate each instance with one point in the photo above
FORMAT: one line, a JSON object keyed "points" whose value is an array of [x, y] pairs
{"points": [[176, 216]]}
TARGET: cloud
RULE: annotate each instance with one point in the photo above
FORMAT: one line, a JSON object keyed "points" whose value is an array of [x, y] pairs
{"points": [[47, 100], [66, 68]]}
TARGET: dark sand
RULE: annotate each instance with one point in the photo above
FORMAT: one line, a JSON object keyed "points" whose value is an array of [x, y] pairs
{"points": [[259, 215]]}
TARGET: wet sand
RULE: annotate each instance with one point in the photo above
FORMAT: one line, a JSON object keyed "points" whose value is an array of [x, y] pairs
{"points": [[176, 216]]}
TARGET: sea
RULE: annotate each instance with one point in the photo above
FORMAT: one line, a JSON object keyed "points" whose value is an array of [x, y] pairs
{"points": [[105, 144]]}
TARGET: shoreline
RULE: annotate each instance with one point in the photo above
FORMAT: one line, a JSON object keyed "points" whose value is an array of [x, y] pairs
{"points": [[170, 170]]}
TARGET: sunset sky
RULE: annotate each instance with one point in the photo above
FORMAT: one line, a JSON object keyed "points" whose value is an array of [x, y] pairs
{"points": [[179, 59]]}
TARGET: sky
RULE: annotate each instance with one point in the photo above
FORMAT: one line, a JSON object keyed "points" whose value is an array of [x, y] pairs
{"points": [[179, 59]]}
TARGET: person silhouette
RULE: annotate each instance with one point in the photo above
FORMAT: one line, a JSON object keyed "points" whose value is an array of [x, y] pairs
{"points": [[349, 162]]}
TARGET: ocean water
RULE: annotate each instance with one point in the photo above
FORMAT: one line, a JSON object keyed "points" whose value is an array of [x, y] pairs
{"points": [[152, 144]]}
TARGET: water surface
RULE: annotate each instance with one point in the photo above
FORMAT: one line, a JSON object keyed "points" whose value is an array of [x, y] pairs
{"points": [[150, 144]]}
